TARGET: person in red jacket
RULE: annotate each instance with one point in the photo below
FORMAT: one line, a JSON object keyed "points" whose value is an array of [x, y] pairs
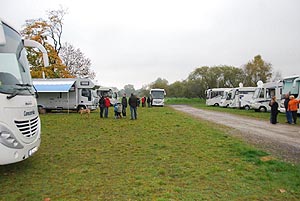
{"points": [[107, 105], [293, 107]]}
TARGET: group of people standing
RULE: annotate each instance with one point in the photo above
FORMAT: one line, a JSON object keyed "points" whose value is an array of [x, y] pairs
{"points": [[104, 104], [291, 106], [120, 108]]}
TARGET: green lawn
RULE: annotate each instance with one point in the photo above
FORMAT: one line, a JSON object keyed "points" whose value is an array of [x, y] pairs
{"points": [[164, 155]]}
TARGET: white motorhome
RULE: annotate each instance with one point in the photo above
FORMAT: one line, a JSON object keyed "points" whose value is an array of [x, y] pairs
{"points": [[65, 94], [263, 94], [291, 86], [214, 96], [110, 92], [158, 97], [20, 128], [241, 97]]}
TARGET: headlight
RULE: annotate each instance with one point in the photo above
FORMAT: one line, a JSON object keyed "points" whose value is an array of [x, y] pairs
{"points": [[8, 139]]}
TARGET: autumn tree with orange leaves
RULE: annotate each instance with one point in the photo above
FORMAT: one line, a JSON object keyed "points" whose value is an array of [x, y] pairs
{"points": [[48, 33]]}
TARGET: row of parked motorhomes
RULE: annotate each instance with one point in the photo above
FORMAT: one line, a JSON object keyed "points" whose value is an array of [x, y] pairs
{"points": [[256, 98]]}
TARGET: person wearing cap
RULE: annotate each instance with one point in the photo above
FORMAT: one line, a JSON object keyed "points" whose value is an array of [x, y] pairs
{"points": [[293, 107]]}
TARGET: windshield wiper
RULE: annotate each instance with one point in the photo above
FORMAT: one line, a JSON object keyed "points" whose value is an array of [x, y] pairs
{"points": [[16, 92], [24, 85]]}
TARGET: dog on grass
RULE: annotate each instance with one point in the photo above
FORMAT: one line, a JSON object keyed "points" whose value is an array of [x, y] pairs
{"points": [[86, 111]]}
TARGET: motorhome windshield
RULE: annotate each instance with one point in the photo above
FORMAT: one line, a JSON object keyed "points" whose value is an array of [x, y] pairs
{"points": [[225, 95], [14, 69], [158, 94], [105, 93], [256, 93]]}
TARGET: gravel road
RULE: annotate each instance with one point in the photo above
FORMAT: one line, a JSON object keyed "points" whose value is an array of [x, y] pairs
{"points": [[282, 140]]}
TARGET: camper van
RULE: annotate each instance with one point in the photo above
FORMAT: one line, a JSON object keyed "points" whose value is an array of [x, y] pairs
{"points": [[110, 92], [214, 96], [158, 97], [241, 97], [263, 94], [65, 94], [20, 127], [291, 86]]}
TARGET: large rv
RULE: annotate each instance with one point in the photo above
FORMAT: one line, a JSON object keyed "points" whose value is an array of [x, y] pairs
{"points": [[291, 86], [241, 97], [214, 96], [65, 94], [20, 128], [158, 97], [263, 94]]}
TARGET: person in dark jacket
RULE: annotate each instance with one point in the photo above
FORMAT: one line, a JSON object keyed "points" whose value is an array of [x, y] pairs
{"points": [[288, 113], [124, 105], [149, 101], [274, 110], [101, 106], [133, 102]]}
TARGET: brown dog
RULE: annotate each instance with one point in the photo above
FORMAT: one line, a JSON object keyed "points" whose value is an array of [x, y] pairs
{"points": [[85, 111]]}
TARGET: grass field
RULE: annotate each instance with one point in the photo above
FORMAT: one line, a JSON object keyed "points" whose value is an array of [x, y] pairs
{"points": [[164, 155]]}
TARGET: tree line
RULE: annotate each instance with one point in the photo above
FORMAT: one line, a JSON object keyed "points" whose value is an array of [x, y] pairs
{"points": [[222, 76]]}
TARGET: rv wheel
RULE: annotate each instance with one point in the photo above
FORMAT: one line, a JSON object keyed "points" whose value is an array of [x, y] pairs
{"points": [[80, 107], [262, 109], [247, 107], [41, 110]]}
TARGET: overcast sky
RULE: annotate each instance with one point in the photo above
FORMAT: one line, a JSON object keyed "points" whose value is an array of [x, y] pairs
{"points": [[137, 41]]}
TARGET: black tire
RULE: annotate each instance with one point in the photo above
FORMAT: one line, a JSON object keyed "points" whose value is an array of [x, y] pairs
{"points": [[41, 110], [262, 109], [80, 107], [247, 107], [216, 105]]}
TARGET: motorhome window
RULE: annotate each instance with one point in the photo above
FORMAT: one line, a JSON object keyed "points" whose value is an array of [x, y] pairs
{"points": [[270, 93], [84, 83], [157, 94], [207, 94], [13, 64], [85, 92], [256, 93], [229, 96], [261, 94], [287, 85], [246, 92], [216, 93]]}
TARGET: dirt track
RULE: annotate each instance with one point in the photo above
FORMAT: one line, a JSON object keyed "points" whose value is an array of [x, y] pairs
{"points": [[282, 140]]}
